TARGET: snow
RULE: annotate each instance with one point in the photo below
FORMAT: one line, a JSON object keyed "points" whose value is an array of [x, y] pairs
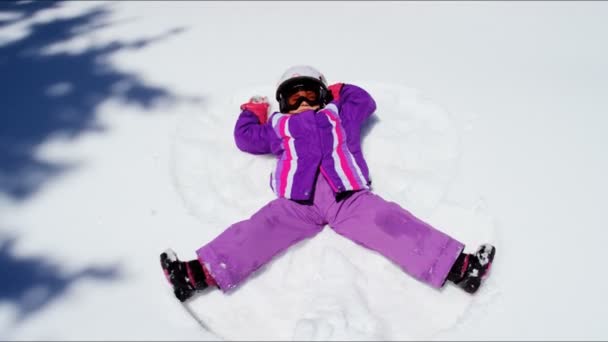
{"points": [[117, 144]]}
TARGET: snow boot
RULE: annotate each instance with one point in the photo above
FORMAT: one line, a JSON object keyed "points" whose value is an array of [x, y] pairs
{"points": [[470, 269], [185, 277]]}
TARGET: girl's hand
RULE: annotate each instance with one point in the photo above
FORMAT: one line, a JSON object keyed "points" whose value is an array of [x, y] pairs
{"points": [[258, 105]]}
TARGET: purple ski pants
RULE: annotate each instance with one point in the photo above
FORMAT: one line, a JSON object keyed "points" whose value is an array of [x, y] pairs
{"points": [[422, 251]]}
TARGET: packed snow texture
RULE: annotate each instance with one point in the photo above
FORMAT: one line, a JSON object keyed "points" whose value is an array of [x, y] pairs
{"points": [[116, 143]]}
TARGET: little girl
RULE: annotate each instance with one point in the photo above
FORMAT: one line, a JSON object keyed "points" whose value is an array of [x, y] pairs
{"points": [[321, 178]]}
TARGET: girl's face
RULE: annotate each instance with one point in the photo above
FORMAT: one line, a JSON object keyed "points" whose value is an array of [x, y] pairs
{"points": [[311, 96]]}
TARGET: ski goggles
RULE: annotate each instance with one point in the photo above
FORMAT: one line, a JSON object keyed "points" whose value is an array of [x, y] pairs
{"points": [[310, 96], [300, 92]]}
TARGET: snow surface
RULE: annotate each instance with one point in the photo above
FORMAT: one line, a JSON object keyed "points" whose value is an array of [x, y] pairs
{"points": [[117, 143]]}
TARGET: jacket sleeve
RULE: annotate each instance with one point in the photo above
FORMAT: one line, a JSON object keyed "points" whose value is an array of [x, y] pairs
{"points": [[251, 136], [355, 103]]}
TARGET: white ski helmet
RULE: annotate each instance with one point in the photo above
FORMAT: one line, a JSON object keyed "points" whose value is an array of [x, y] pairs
{"points": [[300, 76]]}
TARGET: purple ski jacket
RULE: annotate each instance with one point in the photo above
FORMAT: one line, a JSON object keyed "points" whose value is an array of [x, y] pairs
{"points": [[328, 140]]}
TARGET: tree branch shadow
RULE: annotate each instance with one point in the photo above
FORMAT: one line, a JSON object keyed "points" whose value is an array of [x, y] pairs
{"points": [[49, 93], [22, 10], [33, 282]]}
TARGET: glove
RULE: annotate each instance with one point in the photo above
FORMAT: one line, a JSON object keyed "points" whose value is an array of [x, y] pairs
{"points": [[335, 90], [258, 105]]}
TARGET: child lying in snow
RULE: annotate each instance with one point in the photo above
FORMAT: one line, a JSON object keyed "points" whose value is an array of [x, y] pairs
{"points": [[321, 178]]}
